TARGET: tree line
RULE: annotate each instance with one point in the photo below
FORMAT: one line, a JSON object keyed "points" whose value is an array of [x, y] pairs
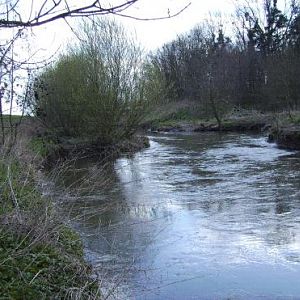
{"points": [[254, 64]]}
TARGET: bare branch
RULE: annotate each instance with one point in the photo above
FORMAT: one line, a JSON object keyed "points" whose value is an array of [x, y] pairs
{"points": [[56, 11], [42, 7], [154, 18]]}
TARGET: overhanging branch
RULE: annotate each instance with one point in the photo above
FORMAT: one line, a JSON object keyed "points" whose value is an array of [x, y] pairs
{"points": [[47, 14]]}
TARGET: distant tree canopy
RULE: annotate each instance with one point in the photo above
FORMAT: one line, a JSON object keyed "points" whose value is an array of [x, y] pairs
{"points": [[258, 67]]}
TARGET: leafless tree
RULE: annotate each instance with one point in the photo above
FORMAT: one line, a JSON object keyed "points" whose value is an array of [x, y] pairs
{"points": [[26, 13]]}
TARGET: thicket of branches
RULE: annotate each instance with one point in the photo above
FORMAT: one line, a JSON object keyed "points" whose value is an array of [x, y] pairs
{"points": [[256, 67], [93, 91], [17, 20]]}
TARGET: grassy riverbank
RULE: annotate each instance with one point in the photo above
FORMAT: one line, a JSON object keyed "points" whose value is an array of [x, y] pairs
{"points": [[189, 117], [281, 127], [193, 117], [286, 131], [40, 256]]}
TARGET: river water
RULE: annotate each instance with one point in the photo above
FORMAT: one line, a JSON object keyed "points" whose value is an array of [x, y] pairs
{"points": [[198, 216]]}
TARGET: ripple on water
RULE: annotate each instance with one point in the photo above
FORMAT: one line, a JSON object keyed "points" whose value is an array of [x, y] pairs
{"points": [[208, 214]]}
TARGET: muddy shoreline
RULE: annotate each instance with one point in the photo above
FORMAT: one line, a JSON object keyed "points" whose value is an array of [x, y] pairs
{"points": [[286, 137]]}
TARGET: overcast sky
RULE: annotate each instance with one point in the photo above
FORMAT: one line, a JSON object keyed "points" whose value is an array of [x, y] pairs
{"points": [[151, 34]]}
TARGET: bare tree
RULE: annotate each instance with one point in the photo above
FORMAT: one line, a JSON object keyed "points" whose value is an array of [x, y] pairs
{"points": [[25, 13], [16, 70], [8, 82]]}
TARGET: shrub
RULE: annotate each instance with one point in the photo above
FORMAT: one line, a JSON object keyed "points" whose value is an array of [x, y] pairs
{"points": [[95, 90]]}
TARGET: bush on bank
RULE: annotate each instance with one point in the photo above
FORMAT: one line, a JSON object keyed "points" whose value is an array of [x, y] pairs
{"points": [[94, 91]]}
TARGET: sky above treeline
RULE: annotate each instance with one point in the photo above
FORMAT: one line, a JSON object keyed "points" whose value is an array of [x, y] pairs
{"points": [[150, 34]]}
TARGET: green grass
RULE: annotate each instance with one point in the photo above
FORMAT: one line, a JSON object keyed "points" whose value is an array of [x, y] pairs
{"points": [[40, 257], [36, 270], [42, 146], [295, 117], [14, 119], [23, 186]]}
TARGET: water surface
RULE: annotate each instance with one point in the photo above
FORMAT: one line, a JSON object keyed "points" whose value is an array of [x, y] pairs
{"points": [[203, 216]]}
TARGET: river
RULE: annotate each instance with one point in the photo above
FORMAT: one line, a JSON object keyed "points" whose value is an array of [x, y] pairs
{"points": [[195, 216]]}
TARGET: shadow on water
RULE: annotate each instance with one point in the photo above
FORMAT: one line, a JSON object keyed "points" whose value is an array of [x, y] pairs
{"points": [[204, 216]]}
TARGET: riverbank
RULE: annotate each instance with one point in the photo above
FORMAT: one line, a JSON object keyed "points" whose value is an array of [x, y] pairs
{"points": [[41, 257], [282, 128], [286, 137], [55, 149], [240, 124], [190, 117]]}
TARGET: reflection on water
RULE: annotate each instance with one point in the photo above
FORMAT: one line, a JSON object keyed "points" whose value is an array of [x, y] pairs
{"points": [[203, 216]]}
